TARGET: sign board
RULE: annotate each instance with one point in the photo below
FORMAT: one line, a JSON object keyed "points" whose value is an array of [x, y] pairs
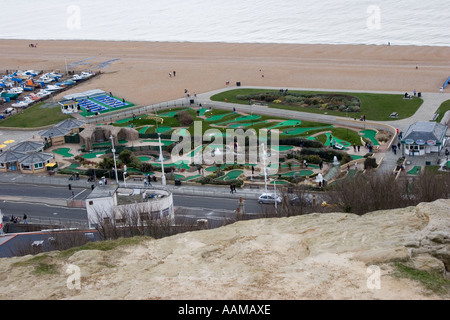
{"points": [[431, 142], [409, 141], [420, 141]]}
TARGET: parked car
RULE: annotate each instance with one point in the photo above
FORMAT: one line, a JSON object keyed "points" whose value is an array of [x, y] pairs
{"points": [[269, 198]]}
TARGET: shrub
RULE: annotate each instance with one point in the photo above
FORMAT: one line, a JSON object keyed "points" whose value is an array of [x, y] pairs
{"points": [[184, 118], [370, 163]]}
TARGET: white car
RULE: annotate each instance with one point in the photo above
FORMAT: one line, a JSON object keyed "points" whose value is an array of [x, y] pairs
{"points": [[269, 198]]}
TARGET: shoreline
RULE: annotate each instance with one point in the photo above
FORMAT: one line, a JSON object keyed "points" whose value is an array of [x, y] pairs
{"points": [[226, 42], [139, 70]]}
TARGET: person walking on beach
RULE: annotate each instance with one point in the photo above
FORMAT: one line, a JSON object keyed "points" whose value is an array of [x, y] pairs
{"points": [[170, 74], [174, 73]]}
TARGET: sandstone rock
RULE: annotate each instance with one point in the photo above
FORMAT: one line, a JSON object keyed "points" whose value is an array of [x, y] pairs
{"points": [[317, 256]]}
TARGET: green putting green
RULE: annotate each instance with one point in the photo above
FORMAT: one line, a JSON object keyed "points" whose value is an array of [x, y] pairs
{"points": [[300, 130], [182, 164], [218, 117], [301, 173], [356, 157], [163, 129], [287, 123], [415, 171], [232, 175], [202, 112], [144, 158], [370, 134], [192, 177], [93, 155], [63, 152], [341, 142], [181, 131], [143, 129], [277, 182], [244, 125]]}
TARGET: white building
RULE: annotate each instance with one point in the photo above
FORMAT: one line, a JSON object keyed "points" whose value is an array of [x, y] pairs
{"points": [[134, 204], [424, 137]]}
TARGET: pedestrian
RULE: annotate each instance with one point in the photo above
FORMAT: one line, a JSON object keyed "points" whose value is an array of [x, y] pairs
{"points": [[25, 219], [321, 164], [354, 147], [398, 145], [356, 166], [170, 74], [174, 73], [231, 188], [253, 169], [359, 147], [234, 188]]}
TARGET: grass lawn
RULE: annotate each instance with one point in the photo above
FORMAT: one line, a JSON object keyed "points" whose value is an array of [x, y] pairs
{"points": [[443, 108], [64, 152], [373, 106], [39, 115]]}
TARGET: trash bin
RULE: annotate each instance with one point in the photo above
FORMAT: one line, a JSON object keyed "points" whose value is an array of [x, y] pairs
{"points": [[419, 94], [191, 101], [178, 182], [238, 84]]}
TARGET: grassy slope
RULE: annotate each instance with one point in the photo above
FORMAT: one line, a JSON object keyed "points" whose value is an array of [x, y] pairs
{"points": [[35, 116], [373, 106]]}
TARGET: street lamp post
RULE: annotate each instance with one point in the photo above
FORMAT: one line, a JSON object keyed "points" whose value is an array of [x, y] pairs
{"points": [[124, 174], [275, 191], [264, 166], [163, 177], [114, 158]]}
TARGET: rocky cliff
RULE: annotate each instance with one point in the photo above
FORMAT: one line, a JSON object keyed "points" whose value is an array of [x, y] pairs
{"points": [[317, 256]]}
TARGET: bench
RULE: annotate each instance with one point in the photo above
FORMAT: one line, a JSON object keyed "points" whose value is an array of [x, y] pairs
{"points": [[254, 187], [138, 178]]}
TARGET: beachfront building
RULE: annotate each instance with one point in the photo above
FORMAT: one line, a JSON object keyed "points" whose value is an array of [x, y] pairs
{"points": [[28, 146], [25, 162], [9, 160], [424, 137], [36, 162], [122, 206], [69, 106], [57, 134]]}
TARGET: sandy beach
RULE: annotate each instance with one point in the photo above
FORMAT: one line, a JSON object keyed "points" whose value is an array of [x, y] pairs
{"points": [[139, 71]]}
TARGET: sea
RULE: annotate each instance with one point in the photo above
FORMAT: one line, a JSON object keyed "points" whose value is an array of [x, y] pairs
{"points": [[379, 22]]}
